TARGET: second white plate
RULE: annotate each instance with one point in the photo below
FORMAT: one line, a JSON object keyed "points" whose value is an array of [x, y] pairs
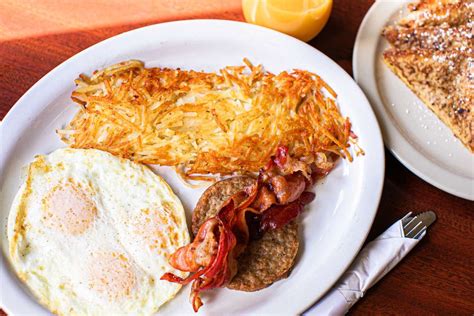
{"points": [[411, 131]]}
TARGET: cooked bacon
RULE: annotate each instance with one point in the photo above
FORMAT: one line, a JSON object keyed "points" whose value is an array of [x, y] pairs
{"points": [[281, 157], [271, 202], [288, 188], [307, 197], [218, 266], [279, 215], [288, 165], [239, 220], [194, 297], [217, 274], [200, 252], [265, 199], [218, 271]]}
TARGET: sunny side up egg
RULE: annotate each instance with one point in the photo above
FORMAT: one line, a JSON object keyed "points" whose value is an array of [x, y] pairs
{"points": [[90, 234]]}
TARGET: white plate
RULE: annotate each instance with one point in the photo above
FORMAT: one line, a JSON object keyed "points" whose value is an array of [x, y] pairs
{"points": [[411, 131], [334, 227]]}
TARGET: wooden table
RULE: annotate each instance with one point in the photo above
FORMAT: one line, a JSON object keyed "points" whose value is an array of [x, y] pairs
{"points": [[437, 277]]}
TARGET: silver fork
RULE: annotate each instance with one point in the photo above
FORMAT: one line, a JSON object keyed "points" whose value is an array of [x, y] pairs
{"points": [[414, 226]]}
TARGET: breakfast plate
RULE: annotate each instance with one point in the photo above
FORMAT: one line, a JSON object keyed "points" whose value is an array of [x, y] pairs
{"points": [[334, 226], [411, 131]]}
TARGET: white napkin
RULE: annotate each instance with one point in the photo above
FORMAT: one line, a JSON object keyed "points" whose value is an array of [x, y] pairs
{"points": [[375, 260]]}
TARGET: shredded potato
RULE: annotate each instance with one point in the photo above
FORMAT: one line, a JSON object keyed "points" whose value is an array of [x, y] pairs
{"points": [[207, 123]]}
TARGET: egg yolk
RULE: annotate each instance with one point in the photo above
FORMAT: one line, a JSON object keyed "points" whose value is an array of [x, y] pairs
{"points": [[68, 209], [111, 275]]}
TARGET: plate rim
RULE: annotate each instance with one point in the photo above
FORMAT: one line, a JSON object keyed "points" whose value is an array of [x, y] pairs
{"points": [[375, 195], [395, 141]]}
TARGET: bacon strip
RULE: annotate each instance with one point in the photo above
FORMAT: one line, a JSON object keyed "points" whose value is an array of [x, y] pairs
{"points": [[274, 200], [264, 199], [200, 252], [288, 188], [216, 273], [278, 216], [288, 165]]}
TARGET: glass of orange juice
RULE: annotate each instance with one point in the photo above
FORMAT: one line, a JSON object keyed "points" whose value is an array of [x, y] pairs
{"points": [[303, 19]]}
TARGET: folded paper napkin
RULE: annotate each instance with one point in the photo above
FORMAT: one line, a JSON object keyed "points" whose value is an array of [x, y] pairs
{"points": [[375, 260]]}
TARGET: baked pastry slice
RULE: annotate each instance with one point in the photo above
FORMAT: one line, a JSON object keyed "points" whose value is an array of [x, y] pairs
{"points": [[438, 12], [440, 38], [444, 81], [432, 51]]}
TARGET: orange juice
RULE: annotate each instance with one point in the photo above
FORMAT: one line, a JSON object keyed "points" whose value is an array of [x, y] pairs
{"points": [[303, 19]]}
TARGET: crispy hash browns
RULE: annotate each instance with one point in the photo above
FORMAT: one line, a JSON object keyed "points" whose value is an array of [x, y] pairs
{"points": [[207, 123]]}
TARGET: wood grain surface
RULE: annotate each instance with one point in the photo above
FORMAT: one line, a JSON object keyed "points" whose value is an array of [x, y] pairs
{"points": [[436, 278]]}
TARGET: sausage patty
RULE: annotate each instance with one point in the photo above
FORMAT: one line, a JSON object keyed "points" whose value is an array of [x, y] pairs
{"points": [[265, 260]]}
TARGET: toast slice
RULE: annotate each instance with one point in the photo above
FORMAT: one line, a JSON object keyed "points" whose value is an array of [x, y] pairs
{"points": [[430, 37], [432, 52], [444, 81], [438, 12]]}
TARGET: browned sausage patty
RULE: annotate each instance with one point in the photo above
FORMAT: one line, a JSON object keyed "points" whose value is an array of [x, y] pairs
{"points": [[265, 260]]}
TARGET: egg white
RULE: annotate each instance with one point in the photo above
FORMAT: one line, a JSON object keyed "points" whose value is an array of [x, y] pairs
{"points": [[90, 234]]}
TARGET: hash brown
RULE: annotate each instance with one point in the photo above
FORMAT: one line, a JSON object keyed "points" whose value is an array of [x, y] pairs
{"points": [[207, 123]]}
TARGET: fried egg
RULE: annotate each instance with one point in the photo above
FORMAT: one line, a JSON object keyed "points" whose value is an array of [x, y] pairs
{"points": [[90, 234]]}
